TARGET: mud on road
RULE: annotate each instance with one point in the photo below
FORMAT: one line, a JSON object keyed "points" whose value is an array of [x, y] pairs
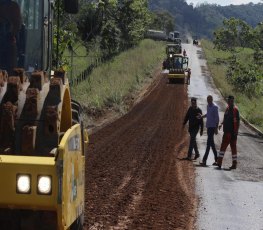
{"points": [[134, 176]]}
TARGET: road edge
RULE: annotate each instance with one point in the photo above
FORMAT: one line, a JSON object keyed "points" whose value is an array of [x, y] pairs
{"points": [[244, 120]]}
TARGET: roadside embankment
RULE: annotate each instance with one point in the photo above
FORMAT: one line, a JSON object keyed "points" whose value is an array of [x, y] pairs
{"points": [[115, 83], [251, 107]]}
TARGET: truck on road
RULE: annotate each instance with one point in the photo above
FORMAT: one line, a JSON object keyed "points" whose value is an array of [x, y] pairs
{"points": [[157, 35], [173, 35]]}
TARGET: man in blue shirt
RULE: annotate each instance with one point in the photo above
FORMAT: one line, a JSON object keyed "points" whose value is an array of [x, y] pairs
{"points": [[212, 120]]}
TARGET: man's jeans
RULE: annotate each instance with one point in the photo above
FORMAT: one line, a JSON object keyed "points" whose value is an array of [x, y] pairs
{"points": [[210, 143], [193, 144]]}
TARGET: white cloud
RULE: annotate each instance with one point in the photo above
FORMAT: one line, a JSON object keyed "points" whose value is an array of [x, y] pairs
{"points": [[224, 2]]}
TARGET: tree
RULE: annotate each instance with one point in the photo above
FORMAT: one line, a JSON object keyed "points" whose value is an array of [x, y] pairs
{"points": [[226, 37], [65, 34], [110, 33], [134, 18], [110, 38], [246, 35], [89, 21], [234, 32], [99, 20], [259, 35], [162, 20], [204, 18]]}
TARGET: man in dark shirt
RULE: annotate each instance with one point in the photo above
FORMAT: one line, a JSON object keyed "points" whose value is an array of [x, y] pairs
{"points": [[194, 125], [230, 128]]}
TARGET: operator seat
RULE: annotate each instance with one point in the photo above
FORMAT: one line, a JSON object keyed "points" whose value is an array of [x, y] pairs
{"points": [[10, 22]]}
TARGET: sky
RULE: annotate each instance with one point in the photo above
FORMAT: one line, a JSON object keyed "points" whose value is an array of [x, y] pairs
{"points": [[224, 2]]}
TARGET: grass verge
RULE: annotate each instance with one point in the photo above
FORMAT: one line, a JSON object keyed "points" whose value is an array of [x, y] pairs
{"points": [[250, 108], [79, 59], [113, 81]]}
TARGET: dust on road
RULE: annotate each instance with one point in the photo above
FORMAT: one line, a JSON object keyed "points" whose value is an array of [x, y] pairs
{"points": [[134, 176]]}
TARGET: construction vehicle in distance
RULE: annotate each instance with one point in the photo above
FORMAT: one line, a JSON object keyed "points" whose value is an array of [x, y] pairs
{"points": [[172, 49], [42, 139], [195, 40], [173, 35], [176, 68], [175, 38], [177, 41]]}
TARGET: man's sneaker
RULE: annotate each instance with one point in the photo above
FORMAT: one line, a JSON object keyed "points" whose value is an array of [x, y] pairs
{"points": [[203, 163], [197, 155], [215, 164], [218, 167], [233, 167]]}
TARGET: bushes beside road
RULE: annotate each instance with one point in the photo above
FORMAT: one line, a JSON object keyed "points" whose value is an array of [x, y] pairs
{"points": [[240, 76]]}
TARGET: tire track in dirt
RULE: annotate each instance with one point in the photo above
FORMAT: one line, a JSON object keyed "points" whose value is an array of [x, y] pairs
{"points": [[134, 179]]}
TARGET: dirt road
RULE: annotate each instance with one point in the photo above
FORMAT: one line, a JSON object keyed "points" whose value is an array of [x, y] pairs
{"points": [[135, 179]]}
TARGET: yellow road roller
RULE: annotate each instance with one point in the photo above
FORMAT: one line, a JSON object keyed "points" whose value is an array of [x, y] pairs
{"points": [[177, 68], [42, 139]]}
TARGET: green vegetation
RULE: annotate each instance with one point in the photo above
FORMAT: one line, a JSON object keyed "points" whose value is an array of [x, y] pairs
{"points": [[78, 58], [204, 18], [117, 25], [162, 20], [220, 62], [244, 71], [65, 37], [113, 81], [111, 26], [237, 33]]}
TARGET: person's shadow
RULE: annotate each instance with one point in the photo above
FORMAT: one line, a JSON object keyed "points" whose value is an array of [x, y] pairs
{"points": [[184, 159], [201, 166]]}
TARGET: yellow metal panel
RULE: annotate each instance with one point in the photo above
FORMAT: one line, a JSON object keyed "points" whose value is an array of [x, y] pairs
{"points": [[176, 76], [70, 150], [66, 115], [10, 166], [30, 160]]}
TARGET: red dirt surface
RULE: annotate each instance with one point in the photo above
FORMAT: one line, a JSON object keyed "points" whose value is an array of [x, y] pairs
{"points": [[134, 176]]}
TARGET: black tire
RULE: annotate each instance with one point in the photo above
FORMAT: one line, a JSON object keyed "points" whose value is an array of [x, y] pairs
{"points": [[75, 116], [76, 106], [78, 223], [76, 111]]}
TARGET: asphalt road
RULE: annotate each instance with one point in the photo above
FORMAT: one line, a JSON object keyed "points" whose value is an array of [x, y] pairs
{"points": [[228, 199]]}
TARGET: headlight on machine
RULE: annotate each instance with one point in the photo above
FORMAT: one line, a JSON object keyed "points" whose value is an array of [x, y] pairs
{"points": [[44, 185], [23, 183]]}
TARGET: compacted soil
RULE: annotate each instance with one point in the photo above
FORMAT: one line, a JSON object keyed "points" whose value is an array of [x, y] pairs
{"points": [[135, 175]]}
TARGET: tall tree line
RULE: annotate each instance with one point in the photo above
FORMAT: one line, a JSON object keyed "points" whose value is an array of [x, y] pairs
{"points": [[116, 24], [204, 18], [109, 25]]}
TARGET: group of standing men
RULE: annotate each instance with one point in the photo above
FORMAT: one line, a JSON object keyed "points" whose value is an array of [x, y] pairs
{"points": [[230, 124]]}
